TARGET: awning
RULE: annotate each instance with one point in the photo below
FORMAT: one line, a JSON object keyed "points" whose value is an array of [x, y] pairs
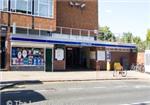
{"points": [[50, 40]]}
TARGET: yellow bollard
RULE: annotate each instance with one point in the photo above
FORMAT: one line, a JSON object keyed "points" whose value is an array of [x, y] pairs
{"points": [[108, 66]]}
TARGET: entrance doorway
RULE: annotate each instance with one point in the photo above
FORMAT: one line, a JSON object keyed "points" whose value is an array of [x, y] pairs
{"points": [[77, 58], [48, 63], [3, 53]]}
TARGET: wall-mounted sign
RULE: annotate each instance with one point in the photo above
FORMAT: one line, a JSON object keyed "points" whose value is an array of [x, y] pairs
{"points": [[101, 55], [59, 54], [19, 54]]}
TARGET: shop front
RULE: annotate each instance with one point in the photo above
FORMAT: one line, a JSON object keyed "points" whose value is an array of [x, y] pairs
{"points": [[40, 54], [31, 56]]}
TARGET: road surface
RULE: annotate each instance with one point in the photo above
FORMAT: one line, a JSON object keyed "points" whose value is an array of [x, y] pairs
{"points": [[116, 92]]}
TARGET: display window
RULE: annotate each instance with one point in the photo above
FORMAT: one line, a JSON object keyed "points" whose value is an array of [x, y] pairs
{"points": [[27, 56]]}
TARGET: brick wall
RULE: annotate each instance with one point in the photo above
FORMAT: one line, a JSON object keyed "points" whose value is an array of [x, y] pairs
{"points": [[27, 20], [24, 20], [74, 17], [4, 18], [59, 65], [21, 20], [140, 58]]}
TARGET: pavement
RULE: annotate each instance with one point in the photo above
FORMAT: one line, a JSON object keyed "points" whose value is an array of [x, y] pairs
{"points": [[15, 77]]}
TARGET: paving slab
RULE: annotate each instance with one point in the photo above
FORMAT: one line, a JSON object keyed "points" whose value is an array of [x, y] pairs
{"points": [[67, 76]]}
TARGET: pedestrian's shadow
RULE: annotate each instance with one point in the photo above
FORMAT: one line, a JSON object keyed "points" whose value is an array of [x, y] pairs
{"points": [[20, 96]]}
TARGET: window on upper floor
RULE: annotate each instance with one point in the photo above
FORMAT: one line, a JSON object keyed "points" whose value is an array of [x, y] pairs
{"points": [[3, 5], [42, 8], [22, 6], [0, 5]]}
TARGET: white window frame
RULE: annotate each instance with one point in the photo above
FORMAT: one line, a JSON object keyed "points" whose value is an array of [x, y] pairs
{"points": [[2, 5], [48, 4], [27, 7], [50, 15]]}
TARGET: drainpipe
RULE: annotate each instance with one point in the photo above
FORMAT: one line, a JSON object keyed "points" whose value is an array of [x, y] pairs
{"points": [[7, 46], [33, 14]]}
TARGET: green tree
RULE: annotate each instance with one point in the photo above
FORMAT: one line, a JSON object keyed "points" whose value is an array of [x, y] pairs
{"points": [[127, 37], [137, 40], [148, 35], [130, 38], [148, 39], [140, 44], [105, 34]]}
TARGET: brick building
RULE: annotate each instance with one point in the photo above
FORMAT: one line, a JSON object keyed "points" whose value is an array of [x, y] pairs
{"points": [[54, 35]]}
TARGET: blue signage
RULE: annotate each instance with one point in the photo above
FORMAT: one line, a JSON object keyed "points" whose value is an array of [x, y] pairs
{"points": [[108, 56]]}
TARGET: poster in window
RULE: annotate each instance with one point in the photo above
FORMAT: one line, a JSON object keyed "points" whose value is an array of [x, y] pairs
{"points": [[59, 54], [101, 55], [24, 53], [27, 56]]}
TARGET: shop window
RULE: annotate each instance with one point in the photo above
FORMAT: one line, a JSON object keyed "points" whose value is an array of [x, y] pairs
{"points": [[27, 56]]}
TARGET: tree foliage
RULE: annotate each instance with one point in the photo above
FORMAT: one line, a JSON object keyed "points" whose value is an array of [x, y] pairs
{"points": [[127, 37], [105, 34], [148, 39], [148, 35], [140, 44]]}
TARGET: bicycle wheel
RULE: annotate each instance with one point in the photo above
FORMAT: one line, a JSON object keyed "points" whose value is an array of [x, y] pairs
{"points": [[142, 69], [132, 67], [114, 73], [124, 73]]}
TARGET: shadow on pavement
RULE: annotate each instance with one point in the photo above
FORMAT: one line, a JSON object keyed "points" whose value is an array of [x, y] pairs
{"points": [[9, 84], [20, 97]]}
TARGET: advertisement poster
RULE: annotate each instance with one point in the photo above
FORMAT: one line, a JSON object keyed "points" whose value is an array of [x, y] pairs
{"points": [[27, 56], [59, 54], [101, 55]]}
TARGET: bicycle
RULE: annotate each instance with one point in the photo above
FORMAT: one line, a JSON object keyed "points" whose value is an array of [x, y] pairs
{"points": [[122, 72], [133, 67], [118, 70], [138, 67]]}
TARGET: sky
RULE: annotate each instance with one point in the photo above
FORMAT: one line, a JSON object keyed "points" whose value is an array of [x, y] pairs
{"points": [[125, 16]]}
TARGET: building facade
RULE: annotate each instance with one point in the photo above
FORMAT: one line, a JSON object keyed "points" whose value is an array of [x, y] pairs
{"points": [[51, 35]]}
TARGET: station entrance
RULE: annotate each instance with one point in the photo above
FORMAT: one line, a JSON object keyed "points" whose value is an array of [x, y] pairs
{"points": [[77, 58], [2, 53]]}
